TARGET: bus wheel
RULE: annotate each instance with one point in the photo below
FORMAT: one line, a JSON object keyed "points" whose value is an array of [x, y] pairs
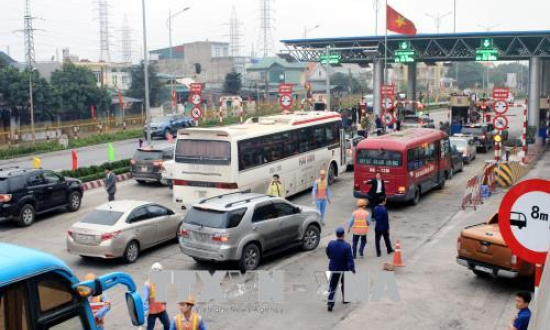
{"points": [[416, 198], [331, 173]]}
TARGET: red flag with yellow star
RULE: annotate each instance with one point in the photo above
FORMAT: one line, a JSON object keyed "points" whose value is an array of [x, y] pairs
{"points": [[398, 23]]}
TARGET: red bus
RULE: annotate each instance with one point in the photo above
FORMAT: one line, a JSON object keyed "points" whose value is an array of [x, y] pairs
{"points": [[411, 162]]}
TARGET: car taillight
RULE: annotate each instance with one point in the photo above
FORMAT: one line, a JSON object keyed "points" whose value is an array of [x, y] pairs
{"points": [[514, 261], [108, 236], [401, 190], [70, 233], [223, 185], [180, 183], [183, 233], [133, 162], [220, 238], [5, 198], [459, 244]]}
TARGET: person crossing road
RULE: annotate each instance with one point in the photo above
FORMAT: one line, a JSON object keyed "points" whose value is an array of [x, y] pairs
{"points": [[321, 194], [359, 226]]}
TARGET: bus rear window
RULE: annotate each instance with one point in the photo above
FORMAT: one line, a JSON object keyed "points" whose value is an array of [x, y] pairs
{"points": [[203, 152], [379, 158]]}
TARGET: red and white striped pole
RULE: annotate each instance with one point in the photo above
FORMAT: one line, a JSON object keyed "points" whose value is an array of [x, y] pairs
{"points": [[548, 120], [220, 114], [524, 135], [497, 151]]}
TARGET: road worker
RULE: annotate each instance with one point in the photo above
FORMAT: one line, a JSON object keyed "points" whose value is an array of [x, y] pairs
{"points": [[187, 319], [321, 194], [100, 305], [152, 308], [359, 226]]}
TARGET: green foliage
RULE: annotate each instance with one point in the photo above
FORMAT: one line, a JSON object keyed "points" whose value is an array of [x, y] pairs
{"points": [[137, 89], [30, 150], [86, 174], [233, 83], [77, 90], [349, 83], [469, 74]]}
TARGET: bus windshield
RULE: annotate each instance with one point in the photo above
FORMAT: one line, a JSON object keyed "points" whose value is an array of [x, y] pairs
{"points": [[203, 152], [379, 157]]}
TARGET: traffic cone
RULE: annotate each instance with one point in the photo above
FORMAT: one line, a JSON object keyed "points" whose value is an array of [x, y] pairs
{"points": [[397, 261]]}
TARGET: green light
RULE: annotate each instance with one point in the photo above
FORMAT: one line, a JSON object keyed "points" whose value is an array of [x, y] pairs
{"points": [[487, 43], [332, 59], [404, 45]]}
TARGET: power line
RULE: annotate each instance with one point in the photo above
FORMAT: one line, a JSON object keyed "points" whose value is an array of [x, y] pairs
{"points": [[104, 36], [266, 44], [234, 34], [126, 42]]}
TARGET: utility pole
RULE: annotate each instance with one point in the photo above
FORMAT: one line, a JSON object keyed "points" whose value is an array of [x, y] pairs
{"points": [[376, 7], [146, 74], [454, 31], [306, 30], [171, 55]]}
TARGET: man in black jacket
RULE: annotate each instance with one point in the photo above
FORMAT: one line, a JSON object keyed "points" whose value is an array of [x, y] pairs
{"points": [[377, 192], [341, 260], [382, 227]]}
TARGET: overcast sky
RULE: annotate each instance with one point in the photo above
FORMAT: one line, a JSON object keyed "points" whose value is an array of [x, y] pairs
{"points": [[74, 24]]}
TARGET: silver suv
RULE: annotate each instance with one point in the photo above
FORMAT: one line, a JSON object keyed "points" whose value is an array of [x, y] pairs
{"points": [[246, 227]]}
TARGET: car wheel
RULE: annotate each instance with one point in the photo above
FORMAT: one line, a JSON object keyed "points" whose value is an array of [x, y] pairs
{"points": [[140, 182], [74, 201], [131, 253], [311, 238], [331, 174], [416, 198], [250, 258], [26, 216]]}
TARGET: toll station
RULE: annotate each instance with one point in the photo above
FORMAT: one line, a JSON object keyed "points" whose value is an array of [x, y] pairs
{"points": [[532, 46]]}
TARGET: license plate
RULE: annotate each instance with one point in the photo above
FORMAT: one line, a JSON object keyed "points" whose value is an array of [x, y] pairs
{"points": [[201, 236], [144, 168], [484, 269], [200, 194], [85, 238]]}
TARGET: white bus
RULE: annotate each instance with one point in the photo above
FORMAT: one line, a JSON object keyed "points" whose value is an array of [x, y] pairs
{"points": [[213, 161]]}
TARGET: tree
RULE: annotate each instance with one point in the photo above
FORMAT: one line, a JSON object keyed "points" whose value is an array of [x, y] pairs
{"points": [[499, 75], [137, 88], [78, 92], [349, 84], [14, 86], [233, 83], [469, 74]]}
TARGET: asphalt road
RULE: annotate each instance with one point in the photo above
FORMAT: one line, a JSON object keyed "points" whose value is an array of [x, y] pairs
{"points": [[435, 292]]}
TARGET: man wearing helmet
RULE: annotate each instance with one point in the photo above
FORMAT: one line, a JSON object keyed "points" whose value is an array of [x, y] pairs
{"points": [[151, 307], [321, 194], [187, 319], [359, 226]]}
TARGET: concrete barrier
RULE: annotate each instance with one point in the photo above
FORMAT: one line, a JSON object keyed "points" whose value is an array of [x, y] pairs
{"points": [[100, 183], [508, 173]]}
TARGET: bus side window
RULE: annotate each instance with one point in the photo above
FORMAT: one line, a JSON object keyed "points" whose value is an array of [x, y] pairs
{"points": [[14, 308], [413, 160]]}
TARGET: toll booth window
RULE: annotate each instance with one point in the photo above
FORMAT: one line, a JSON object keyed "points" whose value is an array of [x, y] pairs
{"points": [[54, 293], [14, 313]]}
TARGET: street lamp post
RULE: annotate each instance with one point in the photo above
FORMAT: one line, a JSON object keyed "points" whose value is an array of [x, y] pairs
{"points": [[146, 75], [306, 30], [169, 23], [437, 18]]}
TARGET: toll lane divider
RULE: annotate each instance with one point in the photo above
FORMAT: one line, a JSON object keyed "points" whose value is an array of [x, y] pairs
{"points": [[101, 183], [508, 173]]}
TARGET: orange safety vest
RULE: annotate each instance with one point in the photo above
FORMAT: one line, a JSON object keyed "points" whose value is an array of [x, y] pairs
{"points": [[155, 307], [321, 189], [97, 305], [183, 324], [360, 226]]}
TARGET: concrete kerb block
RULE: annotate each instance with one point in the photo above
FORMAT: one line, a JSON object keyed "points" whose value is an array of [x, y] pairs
{"points": [[100, 183]]}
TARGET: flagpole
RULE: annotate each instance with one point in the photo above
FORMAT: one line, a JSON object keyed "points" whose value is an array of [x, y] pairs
{"points": [[386, 47]]}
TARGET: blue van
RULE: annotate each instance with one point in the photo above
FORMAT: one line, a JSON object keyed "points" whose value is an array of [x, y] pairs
{"points": [[38, 291]]}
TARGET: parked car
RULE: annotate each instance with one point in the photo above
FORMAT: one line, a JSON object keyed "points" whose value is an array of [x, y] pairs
{"points": [[483, 137], [482, 249], [25, 193], [148, 164], [349, 144], [165, 125], [246, 227], [457, 163], [122, 229], [417, 122], [465, 145]]}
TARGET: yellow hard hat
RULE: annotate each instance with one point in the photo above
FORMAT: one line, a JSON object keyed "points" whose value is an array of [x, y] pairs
{"points": [[190, 301], [362, 202], [90, 277]]}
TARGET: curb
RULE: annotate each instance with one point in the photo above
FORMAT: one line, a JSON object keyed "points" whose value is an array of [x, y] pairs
{"points": [[100, 183]]}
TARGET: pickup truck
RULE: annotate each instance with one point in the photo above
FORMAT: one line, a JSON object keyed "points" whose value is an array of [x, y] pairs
{"points": [[482, 249]]}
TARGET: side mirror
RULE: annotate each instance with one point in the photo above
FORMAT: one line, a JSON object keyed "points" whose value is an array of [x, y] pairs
{"points": [[135, 308]]}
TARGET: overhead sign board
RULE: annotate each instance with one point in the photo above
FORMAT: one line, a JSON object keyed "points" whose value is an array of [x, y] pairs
{"points": [[332, 58], [487, 52], [523, 220]]}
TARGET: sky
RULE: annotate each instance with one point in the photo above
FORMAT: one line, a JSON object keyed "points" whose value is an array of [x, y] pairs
{"points": [[74, 23]]}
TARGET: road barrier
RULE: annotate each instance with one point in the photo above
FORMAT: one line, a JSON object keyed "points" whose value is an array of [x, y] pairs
{"points": [[508, 173]]}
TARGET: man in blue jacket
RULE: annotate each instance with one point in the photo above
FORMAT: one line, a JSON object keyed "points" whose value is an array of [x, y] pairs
{"points": [[341, 260], [382, 227]]}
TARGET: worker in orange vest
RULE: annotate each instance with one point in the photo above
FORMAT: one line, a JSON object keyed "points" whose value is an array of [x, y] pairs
{"points": [[321, 194], [151, 307], [359, 226], [187, 319], [100, 305]]}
